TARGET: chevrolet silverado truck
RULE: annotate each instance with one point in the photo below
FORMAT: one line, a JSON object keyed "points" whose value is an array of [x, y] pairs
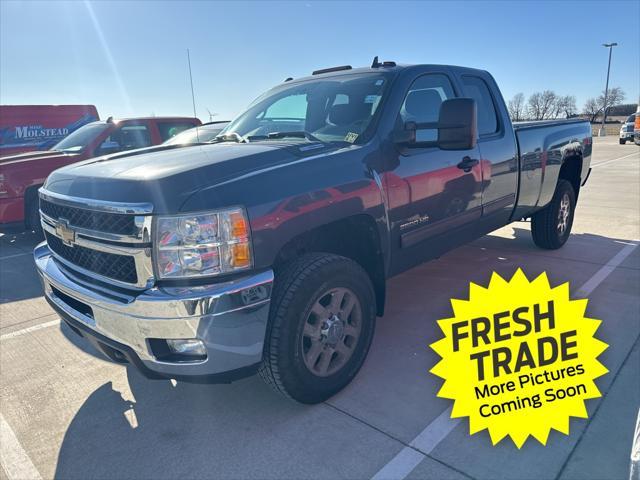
{"points": [[22, 175], [268, 250]]}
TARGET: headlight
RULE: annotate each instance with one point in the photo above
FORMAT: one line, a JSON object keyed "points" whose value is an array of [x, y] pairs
{"points": [[201, 245]]}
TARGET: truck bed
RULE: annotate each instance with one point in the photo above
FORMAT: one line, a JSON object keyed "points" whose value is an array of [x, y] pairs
{"points": [[543, 147]]}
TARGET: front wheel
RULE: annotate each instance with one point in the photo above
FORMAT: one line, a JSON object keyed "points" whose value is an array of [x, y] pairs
{"points": [[551, 226], [321, 324], [623, 141]]}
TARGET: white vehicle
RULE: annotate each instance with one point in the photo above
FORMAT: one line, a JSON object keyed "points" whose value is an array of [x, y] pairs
{"points": [[626, 130]]}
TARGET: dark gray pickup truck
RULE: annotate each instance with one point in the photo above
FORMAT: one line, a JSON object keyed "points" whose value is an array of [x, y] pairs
{"points": [[268, 250]]}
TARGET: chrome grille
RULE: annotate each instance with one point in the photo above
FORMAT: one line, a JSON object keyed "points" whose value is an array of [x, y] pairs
{"points": [[117, 267], [100, 221], [109, 241]]}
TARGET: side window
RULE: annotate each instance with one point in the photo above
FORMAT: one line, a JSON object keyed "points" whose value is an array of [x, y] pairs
{"points": [[126, 137], [171, 129], [477, 89], [422, 104]]}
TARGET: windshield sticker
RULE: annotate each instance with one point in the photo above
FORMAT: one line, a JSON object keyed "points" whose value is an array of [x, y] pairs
{"points": [[371, 99], [379, 82], [351, 137]]}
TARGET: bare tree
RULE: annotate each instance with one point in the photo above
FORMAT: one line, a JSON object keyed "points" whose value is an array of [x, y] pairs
{"points": [[566, 106], [516, 107], [542, 105], [592, 108], [615, 96], [548, 104], [534, 107]]}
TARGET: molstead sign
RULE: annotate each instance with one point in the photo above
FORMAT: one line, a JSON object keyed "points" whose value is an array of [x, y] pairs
{"points": [[38, 131]]}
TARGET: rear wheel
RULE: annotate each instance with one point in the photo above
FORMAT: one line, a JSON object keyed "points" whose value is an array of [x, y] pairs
{"points": [[551, 226], [321, 325]]}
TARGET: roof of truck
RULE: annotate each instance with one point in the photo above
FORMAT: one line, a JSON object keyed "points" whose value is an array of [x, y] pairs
{"points": [[382, 67], [117, 120]]}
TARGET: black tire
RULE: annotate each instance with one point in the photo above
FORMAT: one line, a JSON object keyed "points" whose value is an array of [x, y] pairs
{"points": [[32, 213], [546, 224], [623, 141], [298, 287]]}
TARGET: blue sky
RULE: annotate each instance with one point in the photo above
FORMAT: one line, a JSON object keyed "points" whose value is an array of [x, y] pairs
{"points": [[129, 58]]}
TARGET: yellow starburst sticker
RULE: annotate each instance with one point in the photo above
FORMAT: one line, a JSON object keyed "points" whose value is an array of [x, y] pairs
{"points": [[519, 358]]}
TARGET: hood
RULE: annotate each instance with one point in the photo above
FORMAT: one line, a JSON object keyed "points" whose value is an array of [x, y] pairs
{"points": [[166, 177], [37, 155]]}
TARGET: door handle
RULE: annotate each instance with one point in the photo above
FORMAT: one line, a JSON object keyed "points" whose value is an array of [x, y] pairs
{"points": [[467, 164]]}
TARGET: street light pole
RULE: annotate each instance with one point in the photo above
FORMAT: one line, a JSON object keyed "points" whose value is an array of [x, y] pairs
{"points": [[603, 131]]}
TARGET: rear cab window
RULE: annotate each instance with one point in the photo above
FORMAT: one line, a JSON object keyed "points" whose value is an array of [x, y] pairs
{"points": [[477, 88]]}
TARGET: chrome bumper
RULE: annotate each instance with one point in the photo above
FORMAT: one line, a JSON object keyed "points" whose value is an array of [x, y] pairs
{"points": [[230, 318]]}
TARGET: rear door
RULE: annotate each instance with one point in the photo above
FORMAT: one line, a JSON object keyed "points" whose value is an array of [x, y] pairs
{"points": [[429, 192], [497, 146]]}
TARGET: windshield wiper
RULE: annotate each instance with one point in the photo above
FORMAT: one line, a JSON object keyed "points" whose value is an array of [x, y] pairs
{"points": [[230, 137], [295, 134]]}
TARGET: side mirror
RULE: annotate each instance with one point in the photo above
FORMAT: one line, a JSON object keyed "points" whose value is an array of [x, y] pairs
{"points": [[458, 124], [407, 135]]}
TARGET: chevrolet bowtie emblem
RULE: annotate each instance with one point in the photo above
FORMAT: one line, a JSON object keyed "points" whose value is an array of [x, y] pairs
{"points": [[65, 232]]}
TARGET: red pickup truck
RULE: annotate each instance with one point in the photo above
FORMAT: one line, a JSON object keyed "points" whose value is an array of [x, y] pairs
{"points": [[21, 175]]}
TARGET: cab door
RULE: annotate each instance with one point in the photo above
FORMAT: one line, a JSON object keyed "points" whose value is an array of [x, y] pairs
{"points": [[431, 192], [497, 145]]}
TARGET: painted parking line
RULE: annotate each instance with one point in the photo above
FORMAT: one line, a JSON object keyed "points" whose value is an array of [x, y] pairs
{"points": [[410, 456], [14, 460], [600, 164], [401, 465], [34, 328], [598, 277]]}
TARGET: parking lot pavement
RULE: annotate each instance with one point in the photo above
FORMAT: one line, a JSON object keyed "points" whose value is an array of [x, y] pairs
{"points": [[69, 414]]}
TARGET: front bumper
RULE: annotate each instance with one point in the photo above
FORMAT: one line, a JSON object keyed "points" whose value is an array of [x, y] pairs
{"points": [[230, 318], [626, 135]]}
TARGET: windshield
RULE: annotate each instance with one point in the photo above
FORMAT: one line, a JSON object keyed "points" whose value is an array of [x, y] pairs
{"points": [[331, 109], [631, 118], [79, 139], [196, 135]]}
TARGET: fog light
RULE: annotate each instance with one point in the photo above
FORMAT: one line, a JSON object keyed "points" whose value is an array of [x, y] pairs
{"points": [[187, 346]]}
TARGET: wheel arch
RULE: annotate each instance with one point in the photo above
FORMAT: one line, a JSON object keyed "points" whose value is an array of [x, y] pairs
{"points": [[355, 237], [571, 170]]}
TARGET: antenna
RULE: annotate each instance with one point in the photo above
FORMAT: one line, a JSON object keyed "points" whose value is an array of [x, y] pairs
{"points": [[193, 97]]}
